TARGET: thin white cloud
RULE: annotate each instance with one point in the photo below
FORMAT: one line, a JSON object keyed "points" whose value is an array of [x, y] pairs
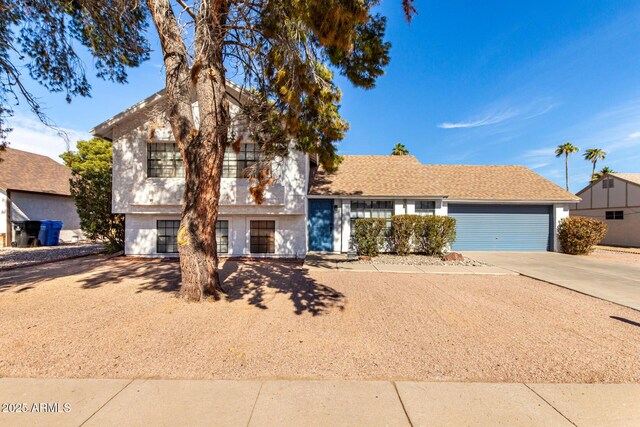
{"points": [[31, 135], [495, 116], [634, 135], [490, 119]]}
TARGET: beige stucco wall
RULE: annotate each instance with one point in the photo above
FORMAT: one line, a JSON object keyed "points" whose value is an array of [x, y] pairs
{"points": [[37, 207], [624, 196], [620, 232], [290, 242]]}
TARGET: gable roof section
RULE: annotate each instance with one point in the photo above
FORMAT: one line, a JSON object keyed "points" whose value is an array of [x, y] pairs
{"points": [[405, 176], [374, 176], [105, 129], [632, 178], [24, 171]]}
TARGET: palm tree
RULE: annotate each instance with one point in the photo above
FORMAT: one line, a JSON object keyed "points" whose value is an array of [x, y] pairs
{"points": [[566, 149], [593, 155], [399, 150], [605, 170]]}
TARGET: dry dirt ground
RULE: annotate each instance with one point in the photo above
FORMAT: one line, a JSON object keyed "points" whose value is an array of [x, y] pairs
{"points": [[120, 318]]}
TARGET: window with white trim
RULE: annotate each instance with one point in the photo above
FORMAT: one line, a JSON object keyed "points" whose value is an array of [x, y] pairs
{"points": [[371, 209], [167, 240], [425, 207], [262, 235], [234, 165], [164, 160]]}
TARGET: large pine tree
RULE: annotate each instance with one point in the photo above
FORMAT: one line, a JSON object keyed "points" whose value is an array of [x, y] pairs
{"points": [[282, 52]]}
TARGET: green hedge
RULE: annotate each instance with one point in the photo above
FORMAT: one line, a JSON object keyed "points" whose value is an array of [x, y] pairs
{"points": [[368, 235], [435, 233], [425, 234], [403, 233], [578, 235]]}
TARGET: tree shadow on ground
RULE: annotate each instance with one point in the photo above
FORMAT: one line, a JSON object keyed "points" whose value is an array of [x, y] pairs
{"points": [[255, 282]]}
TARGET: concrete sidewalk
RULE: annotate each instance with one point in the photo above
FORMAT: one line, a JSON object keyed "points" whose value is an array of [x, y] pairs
{"points": [[95, 402]]}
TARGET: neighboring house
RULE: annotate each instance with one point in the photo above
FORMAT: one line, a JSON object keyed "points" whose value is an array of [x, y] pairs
{"points": [[614, 199], [35, 187], [497, 207]]}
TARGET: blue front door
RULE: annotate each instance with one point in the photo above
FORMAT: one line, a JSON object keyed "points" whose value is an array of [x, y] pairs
{"points": [[320, 225]]}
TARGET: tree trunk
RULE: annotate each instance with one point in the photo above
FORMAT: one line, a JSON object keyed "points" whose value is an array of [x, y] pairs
{"points": [[202, 148], [566, 170]]}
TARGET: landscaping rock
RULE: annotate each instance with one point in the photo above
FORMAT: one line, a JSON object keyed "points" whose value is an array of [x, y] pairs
{"points": [[452, 256], [416, 259]]}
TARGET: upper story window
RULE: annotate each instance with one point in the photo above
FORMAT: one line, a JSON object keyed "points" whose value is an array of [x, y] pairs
{"points": [[607, 183], [235, 164], [164, 160], [425, 207]]}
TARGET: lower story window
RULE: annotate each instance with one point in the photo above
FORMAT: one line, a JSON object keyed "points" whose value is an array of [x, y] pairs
{"points": [[425, 207], [263, 237], [371, 209], [614, 215], [222, 236], [168, 236]]}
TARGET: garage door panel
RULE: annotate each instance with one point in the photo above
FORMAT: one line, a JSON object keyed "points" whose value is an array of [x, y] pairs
{"points": [[502, 227]]}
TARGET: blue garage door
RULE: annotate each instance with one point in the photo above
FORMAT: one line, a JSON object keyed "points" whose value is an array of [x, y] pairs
{"points": [[502, 227]]}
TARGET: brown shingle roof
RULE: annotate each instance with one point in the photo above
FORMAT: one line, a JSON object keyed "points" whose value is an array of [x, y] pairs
{"points": [[374, 176], [405, 176], [24, 171]]}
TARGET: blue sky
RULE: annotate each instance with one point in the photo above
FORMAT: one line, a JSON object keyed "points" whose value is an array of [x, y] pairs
{"points": [[469, 82]]}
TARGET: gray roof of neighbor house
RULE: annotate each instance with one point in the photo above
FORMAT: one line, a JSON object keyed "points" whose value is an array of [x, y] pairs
{"points": [[24, 171], [405, 176]]}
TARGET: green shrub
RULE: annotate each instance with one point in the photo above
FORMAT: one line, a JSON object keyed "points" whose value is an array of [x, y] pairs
{"points": [[403, 232], [578, 235], [435, 233], [368, 235]]}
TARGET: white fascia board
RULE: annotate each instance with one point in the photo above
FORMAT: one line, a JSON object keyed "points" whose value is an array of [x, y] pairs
{"points": [[510, 202], [358, 197]]}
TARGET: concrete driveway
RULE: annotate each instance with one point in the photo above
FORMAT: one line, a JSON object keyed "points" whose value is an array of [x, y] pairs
{"points": [[610, 281]]}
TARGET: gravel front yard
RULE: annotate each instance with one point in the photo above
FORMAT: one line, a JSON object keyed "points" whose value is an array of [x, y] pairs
{"points": [[119, 318], [21, 257], [618, 257]]}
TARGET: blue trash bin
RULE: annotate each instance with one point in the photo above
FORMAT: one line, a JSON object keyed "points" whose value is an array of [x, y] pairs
{"points": [[43, 235], [53, 236]]}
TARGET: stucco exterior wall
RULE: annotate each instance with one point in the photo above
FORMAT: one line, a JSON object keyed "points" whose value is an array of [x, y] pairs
{"points": [[290, 241], [134, 192], [3, 212], [36, 207], [625, 197], [560, 212], [623, 194]]}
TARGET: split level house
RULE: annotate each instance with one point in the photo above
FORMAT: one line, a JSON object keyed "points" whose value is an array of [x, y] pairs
{"points": [[35, 188], [614, 199], [307, 209]]}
